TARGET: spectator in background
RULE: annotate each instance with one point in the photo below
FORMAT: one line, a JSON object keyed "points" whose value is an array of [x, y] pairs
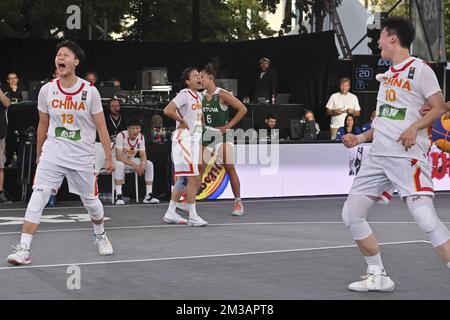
{"points": [[271, 131], [117, 83], [266, 81], [4, 105], [309, 116], [349, 127], [221, 72], [13, 87], [114, 121], [368, 125], [91, 76], [340, 104]]}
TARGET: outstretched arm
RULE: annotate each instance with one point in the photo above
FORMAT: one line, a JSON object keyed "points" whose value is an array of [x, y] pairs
{"points": [[350, 140]]}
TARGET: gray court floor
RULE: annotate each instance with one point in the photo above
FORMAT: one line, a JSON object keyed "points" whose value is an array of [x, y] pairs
{"points": [[281, 249]]}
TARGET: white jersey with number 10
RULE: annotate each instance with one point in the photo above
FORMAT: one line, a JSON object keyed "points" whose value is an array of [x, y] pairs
{"points": [[403, 91]]}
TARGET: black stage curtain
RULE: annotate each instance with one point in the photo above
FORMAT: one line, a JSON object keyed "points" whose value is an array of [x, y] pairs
{"points": [[305, 64]]}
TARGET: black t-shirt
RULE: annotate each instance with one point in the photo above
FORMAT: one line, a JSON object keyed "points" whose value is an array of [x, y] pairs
{"points": [[115, 126], [14, 96], [265, 85]]}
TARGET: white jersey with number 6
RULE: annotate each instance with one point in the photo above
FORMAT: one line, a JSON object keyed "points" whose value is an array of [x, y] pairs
{"points": [[403, 91], [71, 133]]}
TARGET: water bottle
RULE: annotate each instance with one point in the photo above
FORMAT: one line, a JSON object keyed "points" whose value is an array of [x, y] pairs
{"points": [[273, 98], [14, 160]]}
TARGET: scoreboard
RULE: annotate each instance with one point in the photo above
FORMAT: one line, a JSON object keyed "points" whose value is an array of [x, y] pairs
{"points": [[365, 68]]}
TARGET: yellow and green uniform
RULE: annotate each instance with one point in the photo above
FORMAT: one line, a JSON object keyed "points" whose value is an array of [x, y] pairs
{"points": [[216, 115]]}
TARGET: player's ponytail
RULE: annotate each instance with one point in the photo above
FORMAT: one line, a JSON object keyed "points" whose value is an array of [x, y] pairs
{"points": [[209, 69]]}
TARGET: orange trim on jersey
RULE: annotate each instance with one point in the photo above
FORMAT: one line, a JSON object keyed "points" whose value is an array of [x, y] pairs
{"points": [[387, 195], [404, 67], [191, 170], [69, 93], [417, 184], [183, 147], [192, 95], [180, 113]]}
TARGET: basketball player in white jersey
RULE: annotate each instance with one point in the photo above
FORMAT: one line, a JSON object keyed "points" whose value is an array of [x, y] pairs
{"points": [[186, 110], [129, 143], [398, 156], [70, 112]]}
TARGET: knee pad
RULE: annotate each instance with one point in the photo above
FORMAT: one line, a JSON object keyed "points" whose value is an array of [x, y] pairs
{"points": [[94, 207], [119, 172], [354, 215], [180, 184], [36, 205], [422, 210]]}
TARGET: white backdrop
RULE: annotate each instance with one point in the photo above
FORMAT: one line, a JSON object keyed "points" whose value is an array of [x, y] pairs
{"points": [[303, 170]]}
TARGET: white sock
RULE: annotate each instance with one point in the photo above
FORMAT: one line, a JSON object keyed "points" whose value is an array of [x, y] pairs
{"points": [[448, 265], [237, 199], [172, 206], [375, 261], [26, 239], [99, 228], [118, 189], [149, 188], [192, 210]]}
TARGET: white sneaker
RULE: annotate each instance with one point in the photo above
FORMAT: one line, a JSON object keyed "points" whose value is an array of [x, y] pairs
{"points": [[104, 245], [183, 206], [238, 209], [173, 217], [150, 199], [375, 280], [21, 255], [119, 200], [197, 221]]}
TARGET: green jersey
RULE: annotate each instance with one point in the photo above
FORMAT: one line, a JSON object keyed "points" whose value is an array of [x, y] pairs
{"points": [[216, 115]]}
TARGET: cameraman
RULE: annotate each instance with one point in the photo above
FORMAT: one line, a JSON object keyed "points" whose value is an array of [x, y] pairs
{"points": [[5, 102]]}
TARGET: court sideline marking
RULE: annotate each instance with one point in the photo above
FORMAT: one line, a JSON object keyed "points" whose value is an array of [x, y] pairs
{"points": [[202, 256], [157, 226]]}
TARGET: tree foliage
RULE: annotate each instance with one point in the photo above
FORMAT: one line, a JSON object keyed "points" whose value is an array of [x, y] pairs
{"points": [[145, 20], [220, 20], [45, 19]]}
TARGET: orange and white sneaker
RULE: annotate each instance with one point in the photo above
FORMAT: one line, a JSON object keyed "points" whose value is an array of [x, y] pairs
{"points": [[183, 205], [21, 255], [238, 209], [173, 217]]}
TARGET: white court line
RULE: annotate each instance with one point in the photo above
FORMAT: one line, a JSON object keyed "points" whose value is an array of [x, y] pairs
{"points": [[158, 226], [224, 201], [202, 256], [228, 201]]}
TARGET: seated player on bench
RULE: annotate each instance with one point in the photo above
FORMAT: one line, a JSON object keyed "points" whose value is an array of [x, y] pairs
{"points": [[129, 143]]}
